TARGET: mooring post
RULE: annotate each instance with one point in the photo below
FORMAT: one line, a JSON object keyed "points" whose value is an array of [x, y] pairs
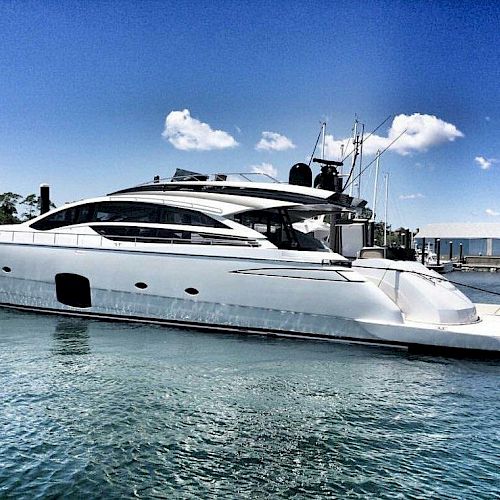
{"points": [[423, 251], [451, 250], [44, 198], [438, 250]]}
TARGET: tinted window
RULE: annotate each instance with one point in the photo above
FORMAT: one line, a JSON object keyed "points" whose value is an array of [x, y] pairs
{"points": [[141, 234], [74, 215], [159, 235], [148, 212], [121, 211], [125, 212], [172, 215], [276, 225]]}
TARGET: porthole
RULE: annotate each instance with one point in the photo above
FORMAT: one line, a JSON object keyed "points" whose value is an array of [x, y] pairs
{"points": [[141, 285], [6, 269], [191, 291]]}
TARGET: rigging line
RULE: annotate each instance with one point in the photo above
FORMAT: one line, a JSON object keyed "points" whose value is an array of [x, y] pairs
{"points": [[429, 277], [315, 146], [367, 137], [350, 173], [374, 159]]}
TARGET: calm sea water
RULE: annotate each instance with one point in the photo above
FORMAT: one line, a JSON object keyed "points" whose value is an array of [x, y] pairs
{"points": [[93, 409]]}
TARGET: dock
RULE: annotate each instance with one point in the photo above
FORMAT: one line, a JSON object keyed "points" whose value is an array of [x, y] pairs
{"points": [[489, 263]]}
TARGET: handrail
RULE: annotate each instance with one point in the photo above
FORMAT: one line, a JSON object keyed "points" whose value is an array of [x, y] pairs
{"points": [[211, 177]]}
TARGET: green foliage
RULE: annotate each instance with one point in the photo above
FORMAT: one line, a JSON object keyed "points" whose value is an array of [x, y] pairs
{"points": [[32, 204], [8, 208], [392, 237], [9, 205]]}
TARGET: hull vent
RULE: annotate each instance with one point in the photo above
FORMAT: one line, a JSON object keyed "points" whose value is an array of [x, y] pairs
{"points": [[73, 290]]}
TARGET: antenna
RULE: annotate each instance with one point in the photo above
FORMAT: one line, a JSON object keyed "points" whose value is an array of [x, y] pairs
{"points": [[375, 187], [385, 214], [355, 142], [367, 137], [323, 128], [381, 153], [315, 146], [361, 158]]}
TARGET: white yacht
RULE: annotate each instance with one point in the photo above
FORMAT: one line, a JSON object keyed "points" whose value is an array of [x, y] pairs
{"points": [[223, 253]]}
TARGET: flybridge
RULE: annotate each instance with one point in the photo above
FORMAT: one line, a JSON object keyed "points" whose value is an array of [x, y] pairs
{"points": [[340, 199], [274, 190]]}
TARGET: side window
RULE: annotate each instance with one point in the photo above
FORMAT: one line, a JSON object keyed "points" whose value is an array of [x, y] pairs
{"points": [[122, 211], [59, 219], [174, 215], [142, 234], [125, 212], [74, 215]]}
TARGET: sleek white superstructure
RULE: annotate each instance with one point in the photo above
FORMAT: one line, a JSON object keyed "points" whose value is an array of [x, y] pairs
{"points": [[225, 254]]}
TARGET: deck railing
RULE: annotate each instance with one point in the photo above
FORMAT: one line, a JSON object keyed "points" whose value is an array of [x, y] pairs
{"points": [[85, 240]]}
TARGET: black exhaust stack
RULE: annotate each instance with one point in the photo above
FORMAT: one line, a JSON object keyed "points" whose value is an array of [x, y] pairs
{"points": [[44, 198]]}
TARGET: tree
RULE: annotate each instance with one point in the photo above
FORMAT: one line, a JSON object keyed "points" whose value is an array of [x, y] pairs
{"points": [[32, 204], [392, 238], [8, 208]]}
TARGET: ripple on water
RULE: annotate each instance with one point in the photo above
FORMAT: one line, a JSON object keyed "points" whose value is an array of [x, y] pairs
{"points": [[95, 409]]}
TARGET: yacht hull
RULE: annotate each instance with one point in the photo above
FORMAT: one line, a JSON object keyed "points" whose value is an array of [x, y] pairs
{"points": [[228, 293]]}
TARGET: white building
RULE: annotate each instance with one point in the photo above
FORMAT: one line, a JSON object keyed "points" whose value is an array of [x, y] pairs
{"points": [[477, 238]]}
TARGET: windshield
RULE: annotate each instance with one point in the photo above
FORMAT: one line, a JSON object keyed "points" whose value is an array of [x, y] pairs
{"points": [[276, 225]]}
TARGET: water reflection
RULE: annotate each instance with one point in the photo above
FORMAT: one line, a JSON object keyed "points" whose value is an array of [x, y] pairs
{"points": [[71, 337]]}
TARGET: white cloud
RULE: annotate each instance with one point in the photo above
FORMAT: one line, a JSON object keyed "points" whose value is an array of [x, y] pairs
{"points": [[491, 212], [265, 168], [411, 196], [333, 147], [187, 133], [419, 133], [485, 163], [272, 141]]}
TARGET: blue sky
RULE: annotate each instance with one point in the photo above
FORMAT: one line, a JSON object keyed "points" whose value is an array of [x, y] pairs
{"points": [[86, 87]]}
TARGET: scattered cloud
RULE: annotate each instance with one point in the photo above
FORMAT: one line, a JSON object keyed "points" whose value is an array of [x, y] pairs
{"points": [[411, 196], [189, 134], [265, 168], [491, 212], [485, 163], [272, 141], [335, 148], [418, 133]]}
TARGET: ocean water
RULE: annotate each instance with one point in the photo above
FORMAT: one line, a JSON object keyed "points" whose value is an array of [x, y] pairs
{"points": [[95, 409]]}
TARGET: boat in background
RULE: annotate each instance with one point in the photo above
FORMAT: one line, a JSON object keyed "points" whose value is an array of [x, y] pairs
{"points": [[431, 261]]}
